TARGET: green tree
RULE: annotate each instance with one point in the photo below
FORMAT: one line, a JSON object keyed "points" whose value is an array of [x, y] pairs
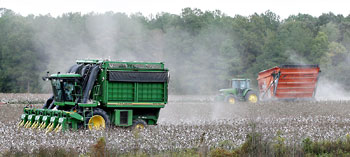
{"points": [[319, 48], [332, 31], [335, 55], [20, 62]]}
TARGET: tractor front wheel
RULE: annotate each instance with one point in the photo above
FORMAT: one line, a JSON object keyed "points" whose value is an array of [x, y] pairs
{"points": [[230, 99], [97, 120], [251, 97]]}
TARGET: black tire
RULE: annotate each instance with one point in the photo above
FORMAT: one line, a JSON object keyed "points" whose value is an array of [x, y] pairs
{"points": [[137, 123], [230, 99], [252, 97], [100, 112]]}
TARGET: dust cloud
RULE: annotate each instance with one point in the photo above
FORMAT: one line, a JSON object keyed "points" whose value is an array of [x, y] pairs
{"points": [[200, 109], [330, 90], [194, 61]]}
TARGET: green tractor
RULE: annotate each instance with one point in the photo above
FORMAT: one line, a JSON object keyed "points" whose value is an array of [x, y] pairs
{"points": [[240, 91], [98, 94]]}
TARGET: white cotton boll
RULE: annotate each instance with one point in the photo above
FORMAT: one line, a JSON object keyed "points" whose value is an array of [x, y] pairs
{"points": [[294, 121]]}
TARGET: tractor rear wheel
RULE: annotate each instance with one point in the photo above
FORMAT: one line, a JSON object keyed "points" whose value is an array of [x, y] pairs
{"points": [[139, 124], [230, 99], [251, 97], [98, 120]]}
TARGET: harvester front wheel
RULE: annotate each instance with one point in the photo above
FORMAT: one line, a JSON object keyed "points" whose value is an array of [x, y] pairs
{"points": [[139, 124], [97, 120], [251, 97], [230, 99]]}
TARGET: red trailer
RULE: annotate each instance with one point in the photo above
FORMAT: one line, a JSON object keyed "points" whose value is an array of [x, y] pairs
{"points": [[288, 82]]}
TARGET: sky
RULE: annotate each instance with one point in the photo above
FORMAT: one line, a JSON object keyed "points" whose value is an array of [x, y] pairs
{"points": [[283, 8]]}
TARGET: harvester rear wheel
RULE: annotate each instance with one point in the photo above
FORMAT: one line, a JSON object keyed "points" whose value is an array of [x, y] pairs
{"points": [[139, 124], [230, 99], [98, 120], [251, 97]]}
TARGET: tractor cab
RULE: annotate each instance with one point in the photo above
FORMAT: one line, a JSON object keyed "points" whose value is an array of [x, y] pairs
{"points": [[240, 83], [66, 87]]}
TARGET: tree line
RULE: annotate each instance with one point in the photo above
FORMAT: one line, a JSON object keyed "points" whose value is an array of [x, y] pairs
{"points": [[202, 49]]}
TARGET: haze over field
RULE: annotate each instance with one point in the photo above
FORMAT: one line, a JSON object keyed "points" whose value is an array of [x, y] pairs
{"points": [[203, 49]]}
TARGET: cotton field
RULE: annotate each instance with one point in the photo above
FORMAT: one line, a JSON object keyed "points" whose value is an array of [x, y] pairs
{"points": [[188, 122]]}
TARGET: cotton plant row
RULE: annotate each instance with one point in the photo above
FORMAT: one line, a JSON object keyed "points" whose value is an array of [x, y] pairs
{"points": [[192, 125], [170, 137], [22, 98], [167, 137]]}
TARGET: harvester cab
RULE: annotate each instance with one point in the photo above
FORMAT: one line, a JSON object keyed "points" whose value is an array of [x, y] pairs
{"points": [[96, 94], [240, 91], [66, 87]]}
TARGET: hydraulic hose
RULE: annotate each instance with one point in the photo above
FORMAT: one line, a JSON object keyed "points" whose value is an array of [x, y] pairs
{"points": [[48, 102], [56, 107], [71, 68], [80, 67], [75, 68], [93, 75], [85, 70], [51, 105]]}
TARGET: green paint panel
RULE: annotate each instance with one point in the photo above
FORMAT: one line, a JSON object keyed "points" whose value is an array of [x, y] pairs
{"points": [[65, 75], [87, 105], [123, 117], [151, 92], [76, 116], [121, 91], [135, 106], [145, 92]]}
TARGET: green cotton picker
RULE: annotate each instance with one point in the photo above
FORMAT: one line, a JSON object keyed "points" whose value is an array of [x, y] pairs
{"points": [[98, 94]]}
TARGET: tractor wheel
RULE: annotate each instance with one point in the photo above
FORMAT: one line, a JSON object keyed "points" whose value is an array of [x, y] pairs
{"points": [[230, 99], [98, 120], [251, 97], [139, 124]]}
